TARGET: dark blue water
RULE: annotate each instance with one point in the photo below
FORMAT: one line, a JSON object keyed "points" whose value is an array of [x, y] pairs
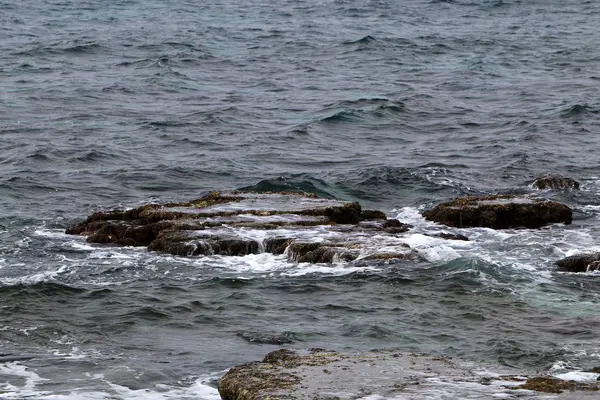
{"points": [[396, 104]]}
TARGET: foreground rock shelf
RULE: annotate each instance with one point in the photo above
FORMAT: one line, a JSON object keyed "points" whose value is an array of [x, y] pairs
{"points": [[325, 375], [306, 228]]}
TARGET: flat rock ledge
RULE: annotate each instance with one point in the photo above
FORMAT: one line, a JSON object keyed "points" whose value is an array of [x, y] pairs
{"points": [[499, 212], [580, 263], [237, 224], [326, 375]]}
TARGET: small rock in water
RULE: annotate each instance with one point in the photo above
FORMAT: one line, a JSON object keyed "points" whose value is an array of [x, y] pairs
{"points": [[450, 236], [312, 252], [267, 338], [555, 182], [580, 263], [394, 226], [499, 212]]}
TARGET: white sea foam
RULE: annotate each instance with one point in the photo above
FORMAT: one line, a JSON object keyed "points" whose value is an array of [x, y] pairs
{"points": [[25, 388], [23, 382], [255, 263], [33, 278], [23, 243], [578, 376], [435, 249], [81, 246], [372, 397], [590, 207], [115, 253], [411, 215], [446, 388], [51, 233], [560, 366], [325, 269], [198, 390], [266, 263]]}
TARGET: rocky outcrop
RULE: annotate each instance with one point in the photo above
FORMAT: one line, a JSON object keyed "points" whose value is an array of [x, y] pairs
{"points": [[218, 224], [499, 212], [319, 374], [557, 182], [580, 263]]}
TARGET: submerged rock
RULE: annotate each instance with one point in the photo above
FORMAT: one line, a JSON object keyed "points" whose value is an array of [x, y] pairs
{"points": [[580, 263], [5, 358], [320, 375], [499, 212], [267, 338], [450, 236], [218, 224], [372, 214], [555, 182]]}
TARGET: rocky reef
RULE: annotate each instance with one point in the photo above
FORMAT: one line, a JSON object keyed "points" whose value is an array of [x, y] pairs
{"points": [[499, 212], [319, 375], [306, 228], [237, 224]]}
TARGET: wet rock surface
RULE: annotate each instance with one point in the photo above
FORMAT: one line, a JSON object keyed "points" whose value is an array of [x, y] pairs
{"points": [[499, 212], [580, 263], [238, 224], [557, 182], [451, 236], [321, 374]]}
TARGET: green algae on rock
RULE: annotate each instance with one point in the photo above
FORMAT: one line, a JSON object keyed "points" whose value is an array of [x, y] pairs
{"points": [[499, 212]]}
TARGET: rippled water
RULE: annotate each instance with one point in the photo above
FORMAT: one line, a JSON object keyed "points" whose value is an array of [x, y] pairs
{"points": [[394, 104]]}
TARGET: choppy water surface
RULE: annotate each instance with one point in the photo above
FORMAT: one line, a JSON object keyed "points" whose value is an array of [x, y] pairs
{"points": [[394, 104]]}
